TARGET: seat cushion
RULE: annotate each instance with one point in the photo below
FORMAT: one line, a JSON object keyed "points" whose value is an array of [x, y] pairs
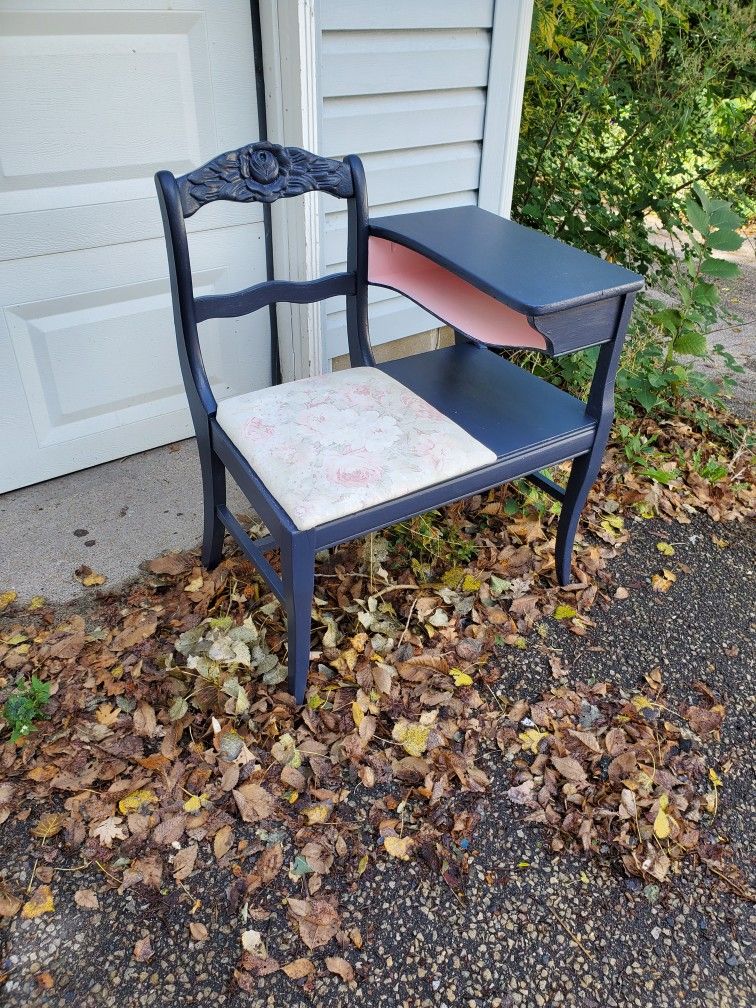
{"points": [[336, 444]]}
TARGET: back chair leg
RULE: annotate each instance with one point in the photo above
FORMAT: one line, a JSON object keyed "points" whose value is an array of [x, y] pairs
{"points": [[582, 474], [298, 575], [214, 497]]}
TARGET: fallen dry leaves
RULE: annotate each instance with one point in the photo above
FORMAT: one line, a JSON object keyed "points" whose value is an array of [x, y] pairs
{"points": [[621, 774], [171, 742]]}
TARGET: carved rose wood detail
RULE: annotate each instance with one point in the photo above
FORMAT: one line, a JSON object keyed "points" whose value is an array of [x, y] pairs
{"points": [[262, 173]]}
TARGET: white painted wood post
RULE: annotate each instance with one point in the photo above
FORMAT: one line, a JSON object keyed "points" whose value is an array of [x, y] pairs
{"points": [[510, 40], [291, 42]]}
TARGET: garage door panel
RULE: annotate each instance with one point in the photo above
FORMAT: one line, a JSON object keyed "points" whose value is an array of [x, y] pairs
{"points": [[93, 364], [94, 102], [101, 97], [37, 234]]}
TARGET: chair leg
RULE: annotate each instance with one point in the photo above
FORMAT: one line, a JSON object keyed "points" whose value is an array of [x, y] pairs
{"points": [[214, 496], [298, 575], [582, 475]]}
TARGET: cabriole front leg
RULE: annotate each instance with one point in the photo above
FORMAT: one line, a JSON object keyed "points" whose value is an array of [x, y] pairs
{"points": [[583, 473]]}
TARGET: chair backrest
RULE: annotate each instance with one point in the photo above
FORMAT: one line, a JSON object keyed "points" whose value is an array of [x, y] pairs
{"points": [[261, 172]]}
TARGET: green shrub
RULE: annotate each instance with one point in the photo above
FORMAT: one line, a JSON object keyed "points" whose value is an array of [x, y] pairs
{"points": [[629, 105]]}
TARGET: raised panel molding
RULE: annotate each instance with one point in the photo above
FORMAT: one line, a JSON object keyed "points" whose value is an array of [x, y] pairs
{"points": [[65, 77], [80, 357]]}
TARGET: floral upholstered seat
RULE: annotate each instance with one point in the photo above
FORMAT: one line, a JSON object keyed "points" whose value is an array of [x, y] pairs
{"points": [[337, 444]]}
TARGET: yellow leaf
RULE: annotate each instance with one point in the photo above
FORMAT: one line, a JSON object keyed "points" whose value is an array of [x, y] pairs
{"points": [[41, 902], [363, 863], [714, 777], [36, 602], [460, 678], [293, 795], [398, 847], [722, 543], [317, 814], [531, 739], [614, 521], [88, 577], [564, 612], [453, 577], [412, 737], [194, 803], [640, 702], [49, 825], [358, 714], [134, 801], [6, 598], [664, 581], [665, 548], [470, 583], [661, 824], [195, 584]]}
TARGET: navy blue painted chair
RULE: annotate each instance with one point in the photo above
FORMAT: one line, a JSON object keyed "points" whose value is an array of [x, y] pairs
{"points": [[333, 457]]}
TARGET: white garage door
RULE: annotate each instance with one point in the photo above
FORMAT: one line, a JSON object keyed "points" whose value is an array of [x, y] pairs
{"points": [[94, 101]]}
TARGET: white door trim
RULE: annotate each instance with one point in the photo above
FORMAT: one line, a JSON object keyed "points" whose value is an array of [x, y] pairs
{"points": [[510, 40], [291, 44]]}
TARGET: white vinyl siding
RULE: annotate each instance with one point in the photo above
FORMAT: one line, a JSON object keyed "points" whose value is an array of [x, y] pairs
{"points": [[404, 86]]}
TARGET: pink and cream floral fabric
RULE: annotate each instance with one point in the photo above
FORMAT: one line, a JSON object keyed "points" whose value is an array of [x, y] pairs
{"points": [[333, 445]]}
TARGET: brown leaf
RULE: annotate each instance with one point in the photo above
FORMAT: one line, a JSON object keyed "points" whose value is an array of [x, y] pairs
{"points": [[570, 768], [615, 741], [145, 721], [293, 778], [198, 931], [170, 830], [254, 802], [9, 904], [316, 920], [45, 980], [170, 564], [703, 721], [149, 869], [137, 628], [522, 794], [143, 950], [86, 899], [340, 967], [623, 765], [183, 862], [266, 868], [588, 739], [298, 969], [223, 841]]}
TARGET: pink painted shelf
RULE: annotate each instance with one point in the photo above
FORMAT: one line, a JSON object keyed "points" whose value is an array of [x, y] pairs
{"points": [[448, 296]]}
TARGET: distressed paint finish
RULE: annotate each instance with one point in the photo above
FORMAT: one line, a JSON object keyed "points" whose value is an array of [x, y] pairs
{"points": [[527, 424]]}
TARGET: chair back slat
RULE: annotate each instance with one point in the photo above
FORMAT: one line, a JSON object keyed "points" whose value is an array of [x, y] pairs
{"points": [[271, 292], [263, 173], [260, 173]]}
